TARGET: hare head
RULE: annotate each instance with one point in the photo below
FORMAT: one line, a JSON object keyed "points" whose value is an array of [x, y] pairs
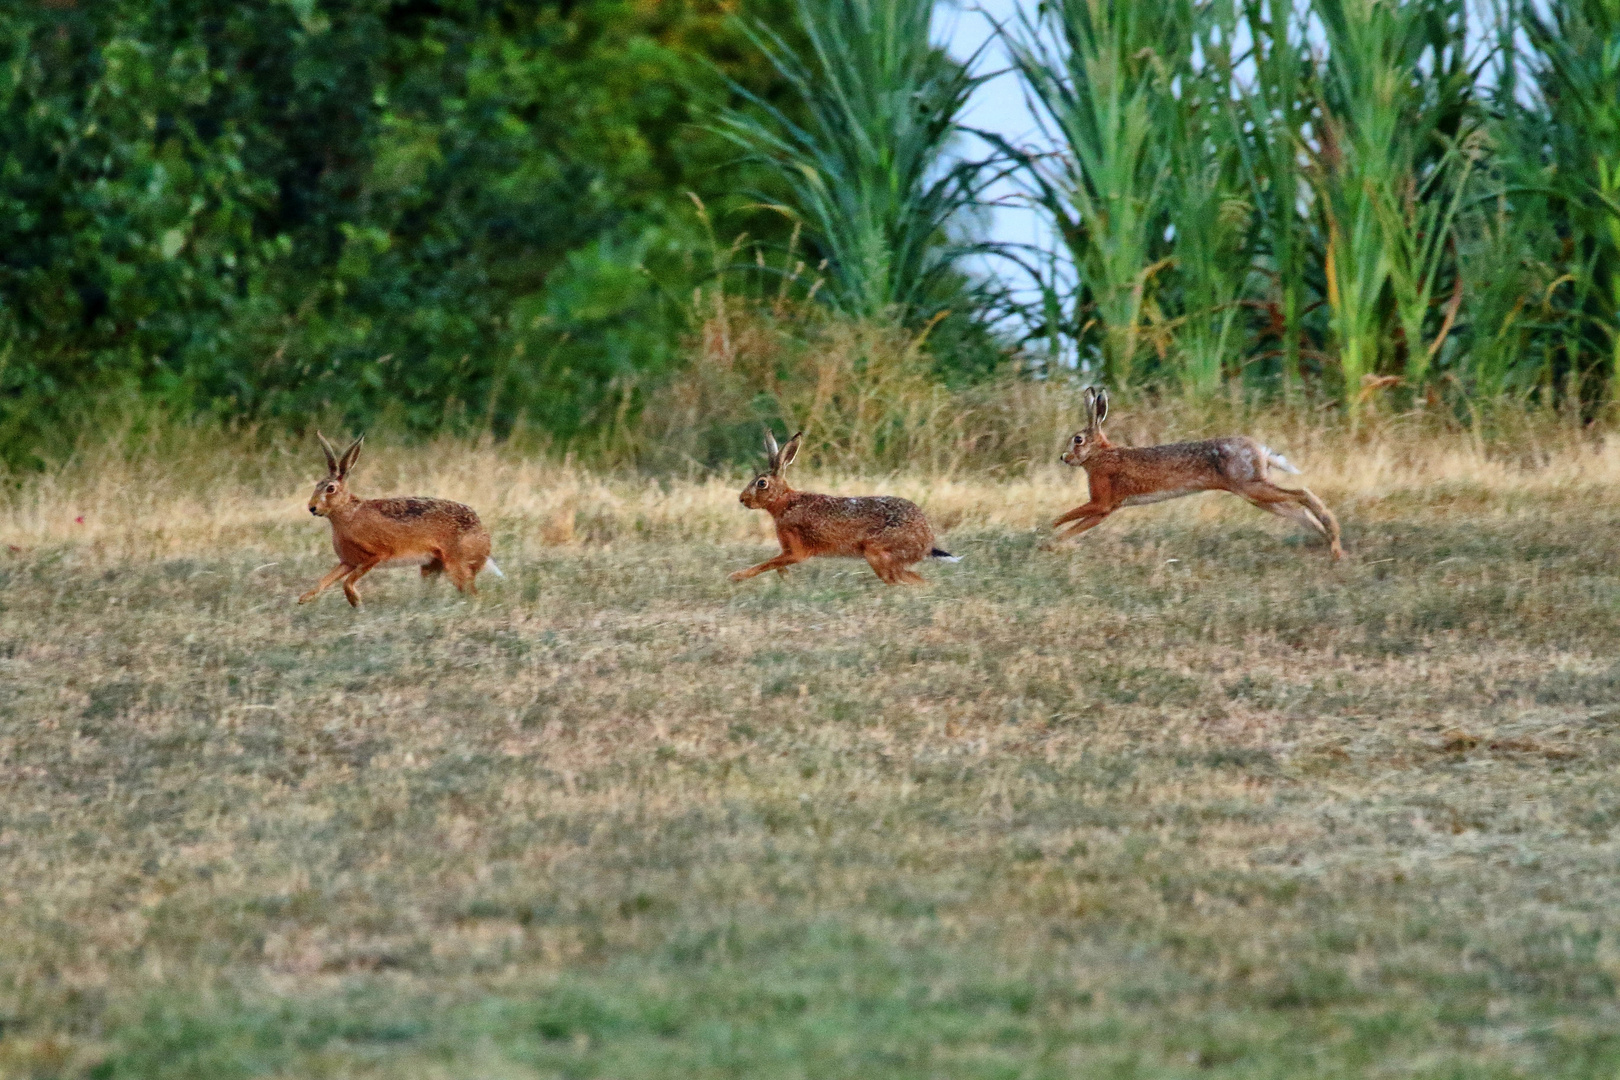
{"points": [[769, 486], [1090, 438], [333, 491]]}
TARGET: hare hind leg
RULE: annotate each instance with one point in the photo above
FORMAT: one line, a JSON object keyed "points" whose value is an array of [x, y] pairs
{"points": [[890, 569], [1291, 511], [1330, 524], [462, 574], [432, 568], [880, 564], [780, 563], [1301, 506], [905, 575]]}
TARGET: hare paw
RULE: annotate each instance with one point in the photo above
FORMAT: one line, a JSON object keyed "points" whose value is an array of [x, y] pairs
{"points": [[307, 597], [738, 575]]}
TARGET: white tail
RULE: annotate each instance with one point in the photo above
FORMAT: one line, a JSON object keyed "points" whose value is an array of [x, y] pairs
{"points": [[944, 556], [1278, 460], [489, 564]]}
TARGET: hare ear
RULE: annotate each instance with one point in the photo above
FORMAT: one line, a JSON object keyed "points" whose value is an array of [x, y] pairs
{"points": [[350, 456], [789, 452], [1102, 405], [1090, 399], [772, 451], [331, 454]]}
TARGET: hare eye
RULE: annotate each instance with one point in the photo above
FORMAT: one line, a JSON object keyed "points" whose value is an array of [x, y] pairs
{"points": [[331, 488], [760, 483]]}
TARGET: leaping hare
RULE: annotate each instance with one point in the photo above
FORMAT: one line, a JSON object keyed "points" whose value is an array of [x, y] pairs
{"points": [[1133, 475], [435, 534], [889, 533]]}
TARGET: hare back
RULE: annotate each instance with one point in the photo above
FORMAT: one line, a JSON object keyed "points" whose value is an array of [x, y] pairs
{"points": [[410, 530], [833, 525], [1175, 469], [414, 511]]}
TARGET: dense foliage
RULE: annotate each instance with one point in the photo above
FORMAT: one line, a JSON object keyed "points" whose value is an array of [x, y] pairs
{"points": [[866, 170], [480, 213], [362, 206], [1416, 196]]}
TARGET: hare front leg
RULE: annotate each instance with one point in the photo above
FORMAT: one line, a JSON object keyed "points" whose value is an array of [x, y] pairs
{"points": [[349, 591], [1085, 517], [781, 562], [326, 582], [1092, 509]]}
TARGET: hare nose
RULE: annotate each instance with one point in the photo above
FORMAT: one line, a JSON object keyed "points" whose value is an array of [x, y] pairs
{"points": [[314, 511]]}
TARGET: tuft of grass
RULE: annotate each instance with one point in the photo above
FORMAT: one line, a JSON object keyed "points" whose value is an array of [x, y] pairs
{"points": [[1181, 799]]}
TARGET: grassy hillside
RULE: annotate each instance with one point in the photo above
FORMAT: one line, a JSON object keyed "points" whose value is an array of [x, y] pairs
{"points": [[1180, 799]]}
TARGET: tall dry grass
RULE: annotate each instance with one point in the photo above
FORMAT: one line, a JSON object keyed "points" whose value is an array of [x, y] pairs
{"points": [[979, 457], [870, 399]]}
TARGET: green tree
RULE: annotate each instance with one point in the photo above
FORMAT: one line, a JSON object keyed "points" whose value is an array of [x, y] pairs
{"points": [[464, 209]]}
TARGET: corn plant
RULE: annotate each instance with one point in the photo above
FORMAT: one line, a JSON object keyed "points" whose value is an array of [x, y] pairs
{"points": [[1211, 268], [1565, 163], [1419, 226], [1267, 112], [1395, 92], [1208, 208], [1093, 70], [865, 171]]}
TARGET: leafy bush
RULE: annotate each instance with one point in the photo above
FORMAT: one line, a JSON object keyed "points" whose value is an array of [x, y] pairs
{"points": [[460, 211]]}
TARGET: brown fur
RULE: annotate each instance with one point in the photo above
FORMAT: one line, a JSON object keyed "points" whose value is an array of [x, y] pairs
{"points": [[440, 536], [889, 533], [1127, 476]]}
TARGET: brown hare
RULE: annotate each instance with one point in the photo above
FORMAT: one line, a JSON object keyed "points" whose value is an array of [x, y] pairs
{"points": [[1133, 475], [437, 535], [889, 533]]}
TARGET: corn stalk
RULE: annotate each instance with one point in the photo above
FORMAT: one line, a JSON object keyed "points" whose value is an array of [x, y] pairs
{"points": [[1092, 70], [1394, 93], [1568, 160], [866, 173]]}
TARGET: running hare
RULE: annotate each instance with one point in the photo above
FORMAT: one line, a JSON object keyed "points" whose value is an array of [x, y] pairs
{"points": [[1133, 475], [889, 533], [366, 533]]}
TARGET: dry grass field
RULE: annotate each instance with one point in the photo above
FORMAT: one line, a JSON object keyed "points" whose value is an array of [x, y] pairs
{"points": [[1181, 799]]}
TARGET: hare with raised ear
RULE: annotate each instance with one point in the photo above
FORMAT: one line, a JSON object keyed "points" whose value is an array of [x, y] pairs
{"points": [[435, 534], [889, 533], [1132, 475]]}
